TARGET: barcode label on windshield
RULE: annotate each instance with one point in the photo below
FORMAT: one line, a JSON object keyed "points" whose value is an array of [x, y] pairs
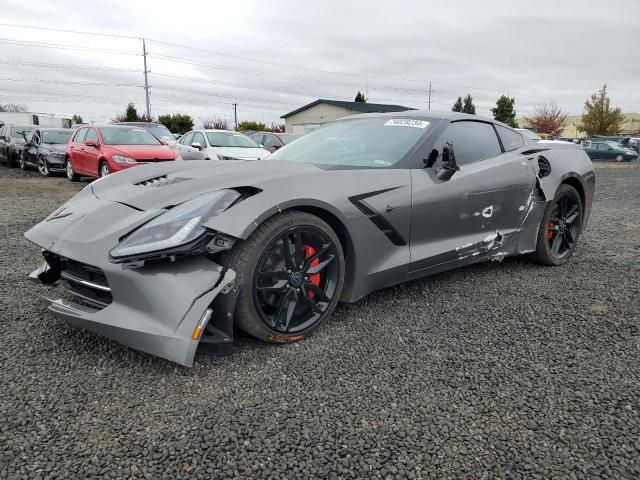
{"points": [[406, 122]]}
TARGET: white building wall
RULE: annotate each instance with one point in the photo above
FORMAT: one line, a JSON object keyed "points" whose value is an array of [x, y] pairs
{"points": [[309, 119]]}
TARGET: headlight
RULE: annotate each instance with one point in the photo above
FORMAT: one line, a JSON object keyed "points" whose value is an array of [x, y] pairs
{"points": [[179, 227], [123, 159]]}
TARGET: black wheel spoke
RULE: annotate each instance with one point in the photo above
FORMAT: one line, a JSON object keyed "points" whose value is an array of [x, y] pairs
{"points": [[314, 306], [556, 244], [286, 253], [572, 216], [280, 275], [319, 293], [320, 266], [299, 249], [287, 307], [568, 235], [324, 250], [563, 206], [279, 286]]}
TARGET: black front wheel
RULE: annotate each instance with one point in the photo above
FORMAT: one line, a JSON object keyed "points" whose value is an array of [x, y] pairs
{"points": [[43, 167], [290, 271], [560, 228]]}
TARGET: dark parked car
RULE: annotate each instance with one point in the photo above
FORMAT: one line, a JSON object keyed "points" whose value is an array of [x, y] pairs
{"points": [[608, 150], [166, 257], [12, 137], [45, 149], [273, 141]]}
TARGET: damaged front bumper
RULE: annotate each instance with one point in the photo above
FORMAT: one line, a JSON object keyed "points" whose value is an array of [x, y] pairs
{"points": [[166, 309]]}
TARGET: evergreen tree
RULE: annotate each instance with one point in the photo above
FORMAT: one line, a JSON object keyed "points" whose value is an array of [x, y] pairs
{"points": [[505, 111], [131, 114], [457, 107], [360, 97], [468, 106]]}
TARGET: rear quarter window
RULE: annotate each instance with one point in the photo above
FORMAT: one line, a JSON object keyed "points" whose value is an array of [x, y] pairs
{"points": [[511, 140]]}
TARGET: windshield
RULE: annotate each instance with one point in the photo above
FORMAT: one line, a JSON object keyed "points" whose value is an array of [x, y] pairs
{"points": [[57, 137], [614, 145], [159, 131], [127, 136], [288, 138], [17, 131], [531, 135], [230, 139], [369, 142]]}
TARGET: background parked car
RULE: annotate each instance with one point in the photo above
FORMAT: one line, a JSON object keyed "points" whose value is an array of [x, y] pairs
{"points": [[97, 151], [608, 150], [221, 145], [12, 137], [45, 150], [531, 135], [158, 130], [273, 141]]}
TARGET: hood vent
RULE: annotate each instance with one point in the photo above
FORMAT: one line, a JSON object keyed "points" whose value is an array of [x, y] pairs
{"points": [[160, 181]]}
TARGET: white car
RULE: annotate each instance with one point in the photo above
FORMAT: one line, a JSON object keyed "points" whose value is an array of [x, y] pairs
{"points": [[220, 145], [536, 138]]}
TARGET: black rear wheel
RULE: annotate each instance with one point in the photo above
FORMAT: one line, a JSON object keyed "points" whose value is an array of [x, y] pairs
{"points": [[560, 228], [72, 176], [291, 272]]}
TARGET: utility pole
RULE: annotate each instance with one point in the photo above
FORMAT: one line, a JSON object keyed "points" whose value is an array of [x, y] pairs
{"points": [[429, 96], [235, 113], [146, 78]]}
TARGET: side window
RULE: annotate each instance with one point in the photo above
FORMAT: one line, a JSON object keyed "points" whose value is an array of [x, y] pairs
{"points": [[511, 140], [258, 138], [271, 141], [472, 141], [34, 137], [186, 139], [80, 135], [199, 138], [91, 135]]}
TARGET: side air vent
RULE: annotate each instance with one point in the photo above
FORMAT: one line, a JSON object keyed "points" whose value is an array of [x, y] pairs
{"points": [[160, 181], [544, 167]]}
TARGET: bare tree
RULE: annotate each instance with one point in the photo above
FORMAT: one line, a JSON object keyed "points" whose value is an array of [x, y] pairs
{"points": [[548, 118], [13, 107], [216, 124], [277, 127]]}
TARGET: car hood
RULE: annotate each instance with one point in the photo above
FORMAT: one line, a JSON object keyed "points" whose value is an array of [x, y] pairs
{"points": [[55, 147], [242, 153], [143, 152], [154, 186]]}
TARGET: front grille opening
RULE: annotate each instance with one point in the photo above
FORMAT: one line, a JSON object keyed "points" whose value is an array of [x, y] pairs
{"points": [[88, 284], [160, 181]]}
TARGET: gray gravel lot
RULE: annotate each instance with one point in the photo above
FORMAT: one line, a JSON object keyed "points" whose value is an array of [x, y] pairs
{"points": [[507, 370]]}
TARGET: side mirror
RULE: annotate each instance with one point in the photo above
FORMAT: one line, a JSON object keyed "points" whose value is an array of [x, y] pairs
{"points": [[91, 143], [277, 147], [196, 145], [449, 165]]}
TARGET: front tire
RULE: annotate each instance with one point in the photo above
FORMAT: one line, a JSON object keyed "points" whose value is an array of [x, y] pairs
{"points": [[619, 158], [560, 228], [104, 169], [43, 167], [290, 272], [21, 163]]}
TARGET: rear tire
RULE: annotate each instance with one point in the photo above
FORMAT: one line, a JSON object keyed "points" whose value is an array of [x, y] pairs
{"points": [[72, 176], [560, 228], [23, 166], [278, 301], [43, 167]]}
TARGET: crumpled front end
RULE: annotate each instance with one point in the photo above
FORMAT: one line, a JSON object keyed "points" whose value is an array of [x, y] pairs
{"points": [[165, 308]]}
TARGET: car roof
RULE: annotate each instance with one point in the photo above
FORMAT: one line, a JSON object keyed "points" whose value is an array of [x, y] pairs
{"points": [[434, 114], [51, 129], [215, 130]]}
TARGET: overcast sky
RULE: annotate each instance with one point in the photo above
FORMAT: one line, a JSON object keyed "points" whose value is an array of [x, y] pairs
{"points": [[272, 57]]}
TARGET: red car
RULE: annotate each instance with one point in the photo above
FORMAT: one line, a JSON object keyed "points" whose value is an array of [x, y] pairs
{"points": [[97, 151]]}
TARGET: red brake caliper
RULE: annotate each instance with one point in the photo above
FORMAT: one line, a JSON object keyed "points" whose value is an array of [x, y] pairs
{"points": [[549, 232], [309, 251]]}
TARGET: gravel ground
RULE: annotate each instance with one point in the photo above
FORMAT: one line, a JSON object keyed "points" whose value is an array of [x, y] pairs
{"points": [[506, 370]]}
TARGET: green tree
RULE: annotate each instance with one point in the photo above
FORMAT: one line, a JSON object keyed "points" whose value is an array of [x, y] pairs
{"points": [[599, 118], [131, 114], [178, 123], [468, 106], [360, 98], [252, 125], [505, 111], [13, 107], [76, 119], [457, 107]]}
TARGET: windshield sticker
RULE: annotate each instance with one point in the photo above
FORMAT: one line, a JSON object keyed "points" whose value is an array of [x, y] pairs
{"points": [[406, 122]]}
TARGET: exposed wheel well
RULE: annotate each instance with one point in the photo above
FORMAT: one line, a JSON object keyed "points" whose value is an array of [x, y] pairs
{"points": [[345, 240]]}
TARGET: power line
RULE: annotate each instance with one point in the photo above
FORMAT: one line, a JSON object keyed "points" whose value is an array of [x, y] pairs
{"points": [[48, 29], [65, 66], [70, 82], [65, 46]]}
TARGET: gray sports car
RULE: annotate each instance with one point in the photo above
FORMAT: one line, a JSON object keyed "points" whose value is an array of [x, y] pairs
{"points": [[168, 257]]}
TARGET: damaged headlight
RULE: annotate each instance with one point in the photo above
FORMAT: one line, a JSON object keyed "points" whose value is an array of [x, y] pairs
{"points": [[181, 226]]}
